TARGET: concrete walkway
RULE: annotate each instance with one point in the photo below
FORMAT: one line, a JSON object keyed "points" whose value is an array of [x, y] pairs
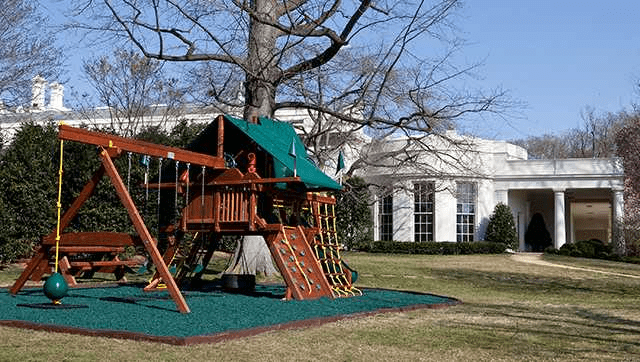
{"points": [[536, 258]]}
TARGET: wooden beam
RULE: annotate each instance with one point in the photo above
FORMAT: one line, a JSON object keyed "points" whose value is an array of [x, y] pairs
{"points": [[220, 137], [101, 263], [91, 249], [32, 266], [99, 238], [65, 270], [143, 232], [107, 141]]}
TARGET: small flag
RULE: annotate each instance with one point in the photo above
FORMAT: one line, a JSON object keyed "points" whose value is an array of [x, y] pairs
{"points": [[292, 148], [292, 153], [340, 162], [145, 160]]}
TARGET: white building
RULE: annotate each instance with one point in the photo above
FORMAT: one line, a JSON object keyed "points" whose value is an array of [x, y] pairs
{"points": [[451, 199], [579, 199]]}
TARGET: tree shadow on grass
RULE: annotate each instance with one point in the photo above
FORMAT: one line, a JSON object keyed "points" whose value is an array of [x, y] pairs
{"points": [[564, 323], [548, 285]]}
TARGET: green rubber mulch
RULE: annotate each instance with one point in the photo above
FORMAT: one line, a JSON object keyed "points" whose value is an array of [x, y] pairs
{"points": [[126, 311]]}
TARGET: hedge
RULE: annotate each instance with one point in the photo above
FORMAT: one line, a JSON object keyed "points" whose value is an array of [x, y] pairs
{"points": [[592, 249], [436, 248]]}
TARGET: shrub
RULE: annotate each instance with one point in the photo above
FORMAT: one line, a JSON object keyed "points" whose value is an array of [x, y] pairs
{"points": [[437, 248], [501, 227], [28, 189], [587, 249], [353, 214]]}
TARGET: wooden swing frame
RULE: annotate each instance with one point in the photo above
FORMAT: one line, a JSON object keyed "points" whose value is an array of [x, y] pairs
{"points": [[111, 147], [227, 204]]}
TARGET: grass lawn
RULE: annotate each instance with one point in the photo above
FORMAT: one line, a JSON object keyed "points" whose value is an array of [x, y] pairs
{"points": [[512, 311]]}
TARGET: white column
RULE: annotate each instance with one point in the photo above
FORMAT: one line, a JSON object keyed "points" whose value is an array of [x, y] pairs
{"points": [[572, 226], [617, 208], [525, 225], [376, 220], [559, 230]]}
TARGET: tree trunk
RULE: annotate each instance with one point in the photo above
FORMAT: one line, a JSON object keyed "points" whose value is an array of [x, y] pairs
{"points": [[252, 254], [261, 69]]}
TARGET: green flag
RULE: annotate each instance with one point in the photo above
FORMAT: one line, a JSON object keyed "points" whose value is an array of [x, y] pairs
{"points": [[292, 153], [292, 149], [340, 162]]}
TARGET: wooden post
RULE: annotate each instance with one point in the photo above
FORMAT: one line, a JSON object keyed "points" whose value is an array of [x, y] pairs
{"points": [[217, 202], [143, 232], [32, 266], [220, 136]]}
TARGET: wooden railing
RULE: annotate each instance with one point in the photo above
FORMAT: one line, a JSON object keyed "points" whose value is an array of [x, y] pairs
{"points": [[223, 209]]}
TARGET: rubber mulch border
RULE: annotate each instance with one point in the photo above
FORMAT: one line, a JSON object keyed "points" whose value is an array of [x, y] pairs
{"points": [[126, 312]]}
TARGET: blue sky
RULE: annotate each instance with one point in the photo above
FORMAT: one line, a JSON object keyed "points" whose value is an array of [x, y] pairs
{"points": [[557, 57]]}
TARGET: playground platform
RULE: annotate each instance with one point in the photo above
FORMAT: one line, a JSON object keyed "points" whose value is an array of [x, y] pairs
{"points": [[127, 312]]}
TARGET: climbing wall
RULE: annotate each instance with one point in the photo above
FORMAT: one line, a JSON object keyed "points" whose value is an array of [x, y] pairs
{"points": [[296, 261]]}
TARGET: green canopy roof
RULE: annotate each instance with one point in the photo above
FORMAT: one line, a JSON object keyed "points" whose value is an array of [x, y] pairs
{"points": [[277, 138]]}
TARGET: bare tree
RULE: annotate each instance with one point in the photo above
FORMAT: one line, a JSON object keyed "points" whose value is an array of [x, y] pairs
{"points": [[386, 67], [547, 146], [27, 49], [134, 91], [359, 62], [600, 131], [596, 138]]}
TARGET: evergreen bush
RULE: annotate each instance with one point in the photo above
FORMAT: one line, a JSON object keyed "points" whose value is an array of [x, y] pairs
{"points": [[28, 189], [595, 249], [353, 214], [501, 227]]}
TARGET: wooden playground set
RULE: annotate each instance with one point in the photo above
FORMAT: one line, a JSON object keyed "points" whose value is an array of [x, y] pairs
{"points": [[238, 178]]}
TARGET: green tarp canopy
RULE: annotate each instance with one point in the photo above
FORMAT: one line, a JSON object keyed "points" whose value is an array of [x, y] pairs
{"points": [[276, 138]]}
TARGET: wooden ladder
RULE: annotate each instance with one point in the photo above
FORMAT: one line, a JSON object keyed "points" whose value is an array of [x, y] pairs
{"points": [[326, 246]]}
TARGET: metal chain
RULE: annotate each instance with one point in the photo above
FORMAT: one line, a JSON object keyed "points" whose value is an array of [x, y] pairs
{"points": [[159, 183]]}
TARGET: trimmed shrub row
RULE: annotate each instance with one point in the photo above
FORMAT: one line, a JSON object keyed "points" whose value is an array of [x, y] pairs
{"points": [[592, 249], [436, 248]]}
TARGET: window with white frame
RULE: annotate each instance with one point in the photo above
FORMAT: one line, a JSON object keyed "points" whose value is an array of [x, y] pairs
{"points": [[466, 211], [423, 206], [385, 217]]}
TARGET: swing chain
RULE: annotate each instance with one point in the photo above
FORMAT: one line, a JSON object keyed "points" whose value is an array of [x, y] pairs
{"points": [[188, 182], [202, 197], [159, 185], [129, 171], [146, 162], [175, 203]]}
